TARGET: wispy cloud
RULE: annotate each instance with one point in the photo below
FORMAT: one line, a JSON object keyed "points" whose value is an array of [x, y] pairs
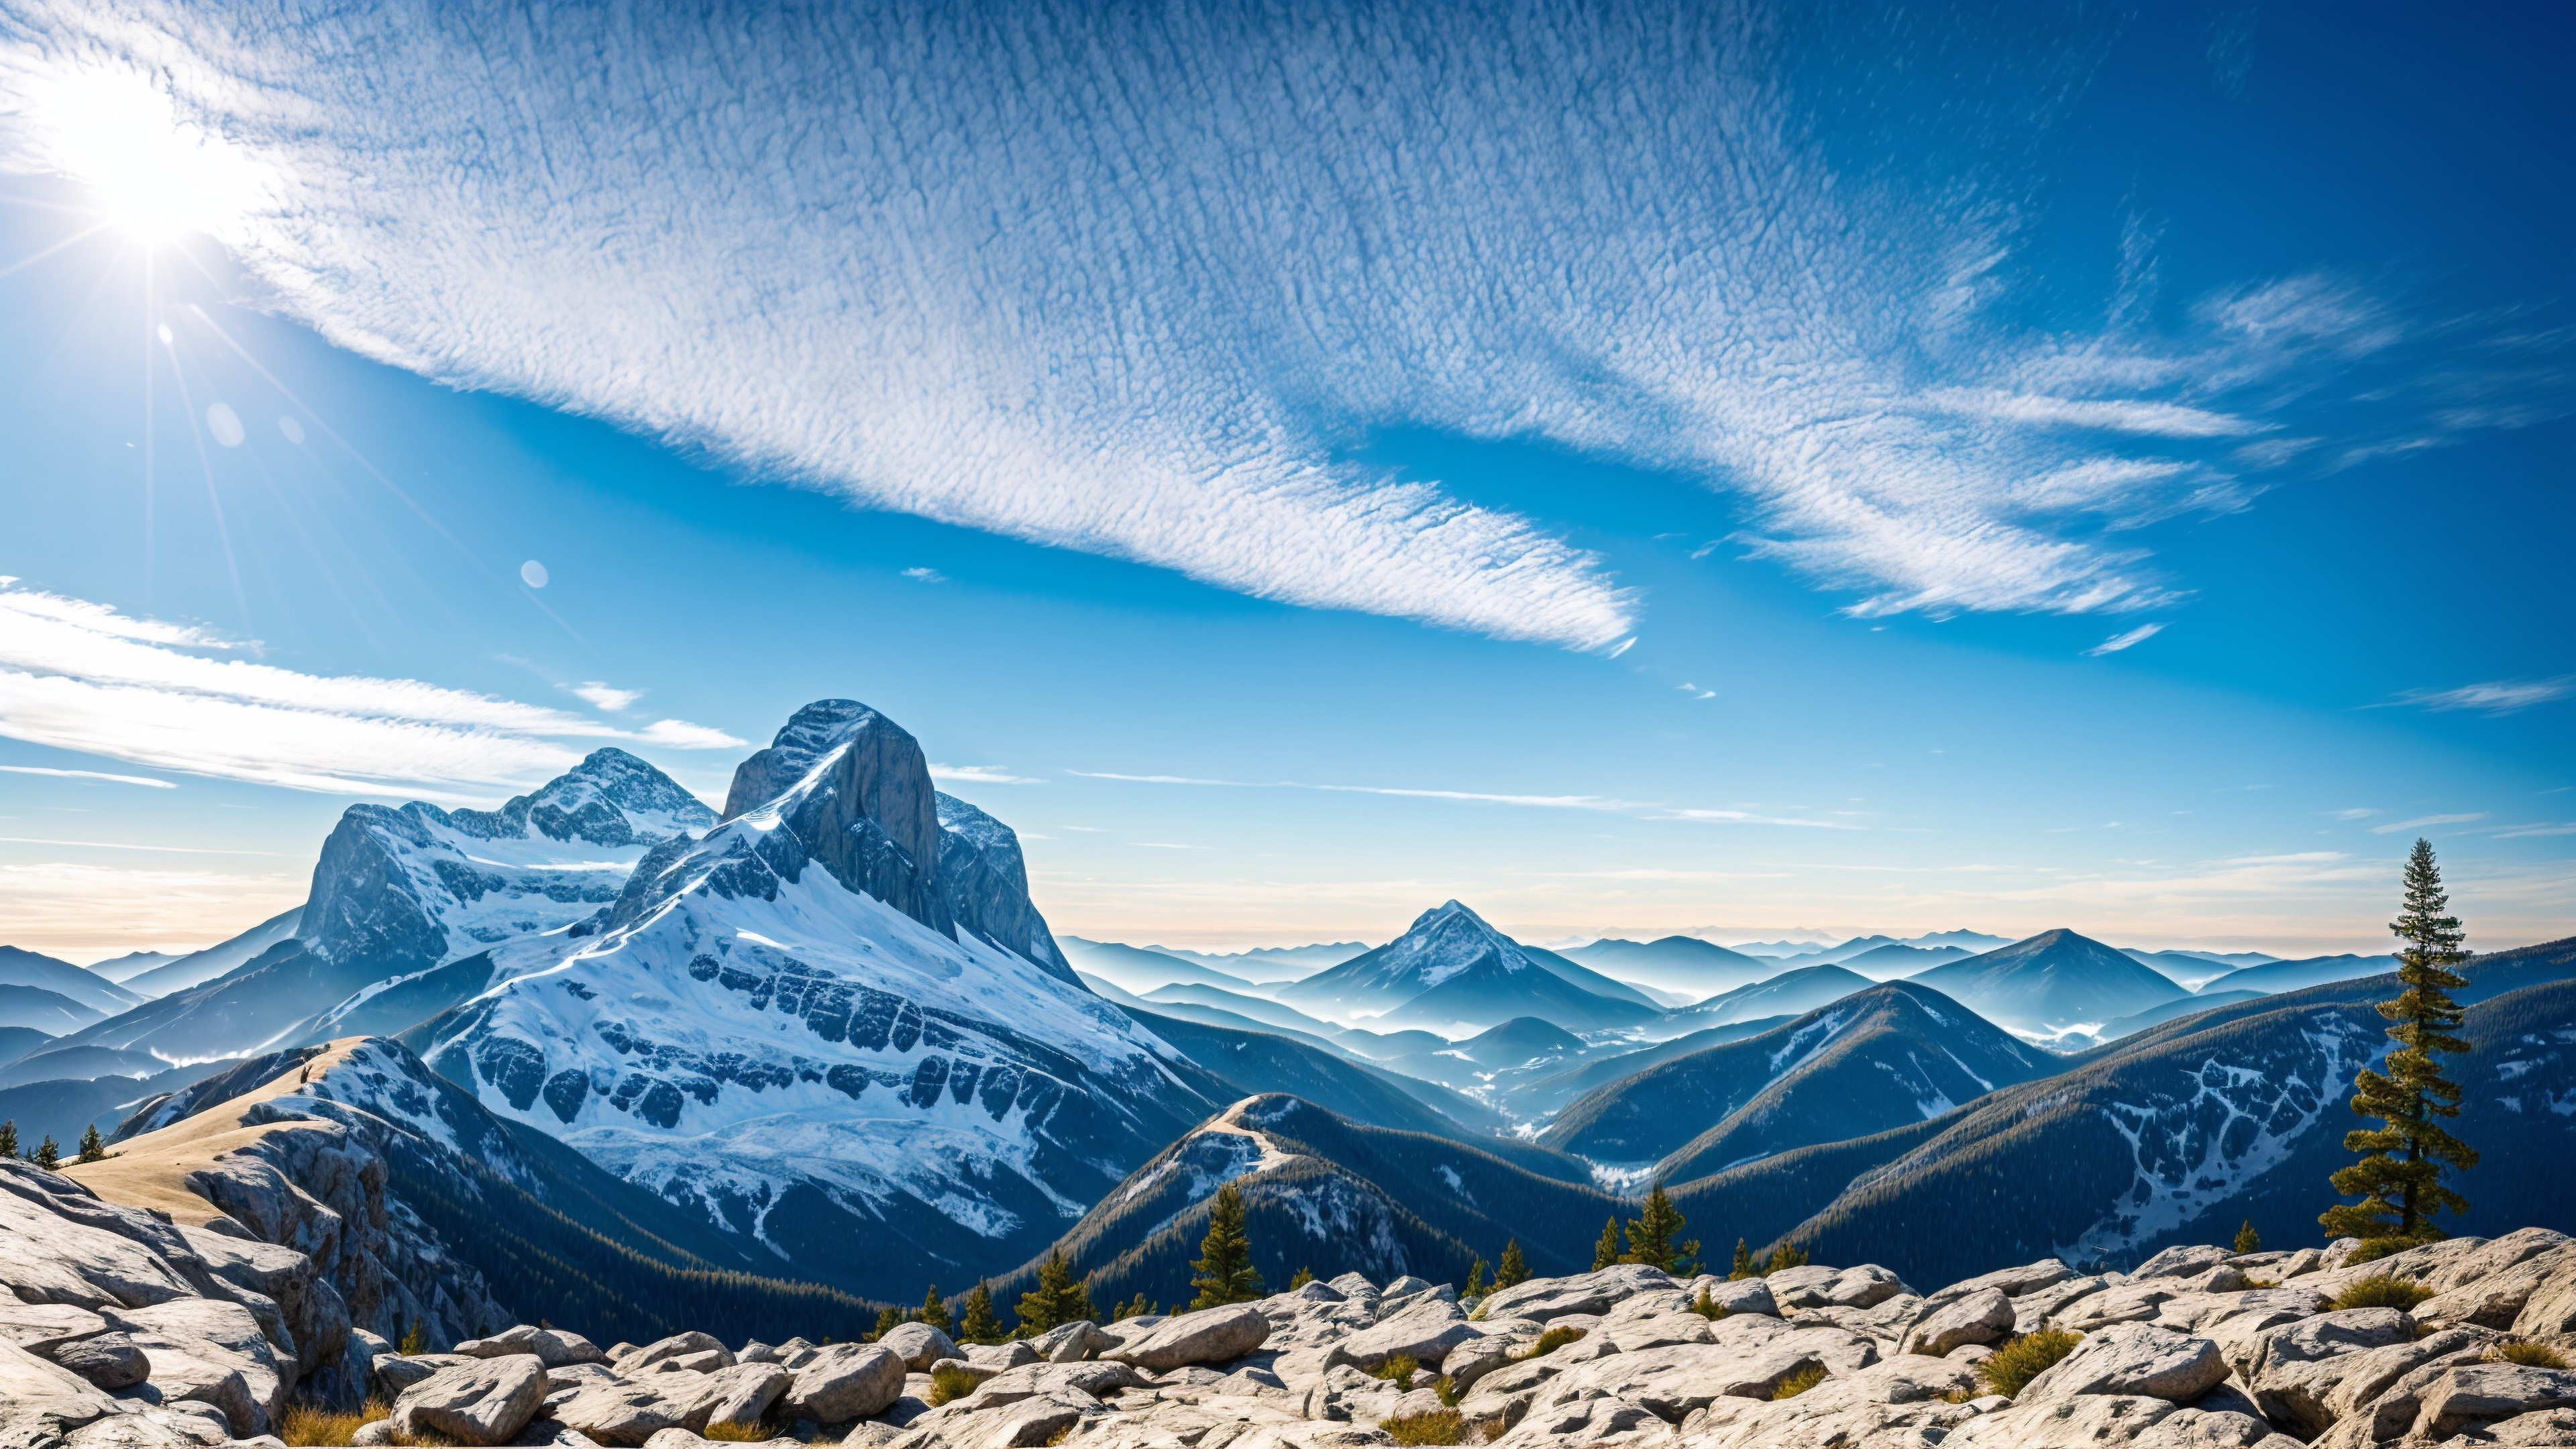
{"points": [[2501, 696], [607, 697], [1149, 329], [979, 775], [88, 775], [81, 676], [925, 575], [1641, 809], [2129, 639], [2422, 821]]}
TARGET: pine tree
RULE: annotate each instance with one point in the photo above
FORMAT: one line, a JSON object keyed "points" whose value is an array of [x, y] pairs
{"points": [[91, 1149], [1475, 1279], [2399, 1176], [1742, 1267], [415, 1340], [1136, 1307], [1606, 1251], [1060, 1298], [887, 1319], [1688, 1265], [2248, 1240], [933, 1311], [976, 1321], [1650, 1237], [1303, 1277], [49, 1156], [1513, 1269], [1223, 1271], [1787, 1255], [9, 1141]]}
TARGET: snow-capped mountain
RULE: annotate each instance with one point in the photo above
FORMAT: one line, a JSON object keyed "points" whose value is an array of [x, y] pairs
{"points": [[398, 891], [833, 1019], [1450, 970]]}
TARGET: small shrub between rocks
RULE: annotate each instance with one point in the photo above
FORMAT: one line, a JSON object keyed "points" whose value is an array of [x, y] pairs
{"points": [[2381, 1291], [1552, 1340], [947, 1382], [1448, 1391], [1398, 1371], [1957, 1396], [307, 1424], [2019, 1360], [1440, 1426], [1708, 1308], [744, 1433], [2528, 1354], [1799, 1382]]}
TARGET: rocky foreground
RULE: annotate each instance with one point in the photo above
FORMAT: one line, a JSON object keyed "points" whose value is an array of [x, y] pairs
{"points": [[123, 1330]]}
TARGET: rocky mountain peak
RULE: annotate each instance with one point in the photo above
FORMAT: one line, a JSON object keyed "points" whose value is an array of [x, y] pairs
{"points": [[809, 735], [610, 798]]}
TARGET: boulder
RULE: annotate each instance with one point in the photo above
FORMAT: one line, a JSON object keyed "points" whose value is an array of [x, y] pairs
{"points": [[554, 1347], [2476, 1394], [1905, 1400], [2183, 1260], [919, 1345], [109, 1361], [1073, 1342], [40, 1403], [2011, 1282], [2310, 1396], [1659, 1330], [1033, 1420], [1211, 1335], [211, 1352], [2083, 1422], [40, 1328], [2496, 1299], [393, 1373], [677, 1345], [2555, 1428], [630, 1413], [1674, 1381], [1813, 1285], [1099, 1380], [2132, 1360], [486, 1402], [1740, 1295], [741, 1396], [2327, 1335], [1601, 1420], [1545, 1299], [1982, 1316], [1424, 1332], [843, 1381], [2551, 1309]]}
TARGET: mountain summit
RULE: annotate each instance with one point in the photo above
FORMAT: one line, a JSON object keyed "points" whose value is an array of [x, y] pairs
{"points": [[1450, 968], [2051, 982]]}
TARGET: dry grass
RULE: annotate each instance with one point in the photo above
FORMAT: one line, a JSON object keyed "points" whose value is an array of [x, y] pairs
{"points": [[2381, 1292], [1398, 1370], [2017, 1361], [948, 1383], [1957, 1396], [740, 1433], [1440, 1426], [1552, 1340], [2528, 1354], [1798, 1382], [309, 1424]]}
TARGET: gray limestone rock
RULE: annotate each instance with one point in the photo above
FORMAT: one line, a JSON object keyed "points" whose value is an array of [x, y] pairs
{"points": [[2132, 1359], [1545, 1299], [1424, 1332], [919, 1345], [1979, 1317], [485, 1402], [109, 1361], [844, 1381], [1211, 1335]]}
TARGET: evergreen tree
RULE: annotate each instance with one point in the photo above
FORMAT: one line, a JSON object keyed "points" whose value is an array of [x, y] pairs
{"points": [[1650, 1237], [2248, 1240], [2399, 1176], [415, 1340], [9, 1140], [887, 1318], [933, 1311], [1742, 1267], [48, 1156], [1787, 1255], [1475, 1279], [1606, 1251], [976, 1321], [1688, 1265], [1136, 1307], [91, 1149], [1223, 1272], [1513, 1270], [1060, 1298], [1303, 1277]]}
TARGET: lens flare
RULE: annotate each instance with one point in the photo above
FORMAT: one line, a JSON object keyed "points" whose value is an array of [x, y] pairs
{"points": [[157, 175]]}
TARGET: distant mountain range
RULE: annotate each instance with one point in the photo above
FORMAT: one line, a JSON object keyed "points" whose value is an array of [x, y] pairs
{"points": [[1271, 963], [2053, 982], [1685, 964]]}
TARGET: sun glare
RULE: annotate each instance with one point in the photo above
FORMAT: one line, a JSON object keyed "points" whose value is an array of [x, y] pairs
{"points": [[157, 176]]}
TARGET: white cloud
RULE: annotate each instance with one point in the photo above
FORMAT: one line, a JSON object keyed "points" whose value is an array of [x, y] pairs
{"points": [[2420, 821], [2129, 639], [88, 775], [979, 775], [602, 696], [959, 285], [925, 575], [2501, 696], [81, 676]]}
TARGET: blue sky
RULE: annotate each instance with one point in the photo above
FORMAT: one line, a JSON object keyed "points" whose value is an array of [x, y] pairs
{"points": [[1947, 469]]}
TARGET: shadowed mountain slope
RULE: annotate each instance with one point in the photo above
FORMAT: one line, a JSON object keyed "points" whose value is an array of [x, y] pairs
{"points": [[2052, 981]]}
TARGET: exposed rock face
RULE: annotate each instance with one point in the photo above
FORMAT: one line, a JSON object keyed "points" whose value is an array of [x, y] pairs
{"points": [[485, 1402]]}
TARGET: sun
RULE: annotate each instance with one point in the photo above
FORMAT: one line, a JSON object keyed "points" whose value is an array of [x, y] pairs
{"points": [[156, 175]]}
